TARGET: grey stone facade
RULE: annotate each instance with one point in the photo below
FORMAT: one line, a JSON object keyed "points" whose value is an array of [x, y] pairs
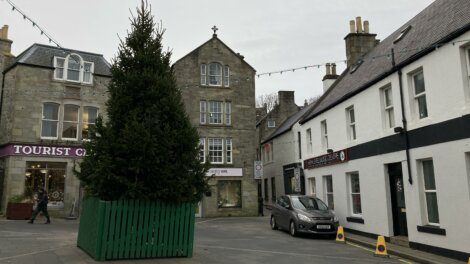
{"points": [[28, 83], [241, 130]]}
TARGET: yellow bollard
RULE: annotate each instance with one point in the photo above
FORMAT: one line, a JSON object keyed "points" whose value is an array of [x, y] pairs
{"points": [[340, 235], [381, 248]]}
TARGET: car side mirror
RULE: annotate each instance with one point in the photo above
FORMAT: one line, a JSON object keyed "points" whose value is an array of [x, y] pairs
{"points": [[288, 207]]}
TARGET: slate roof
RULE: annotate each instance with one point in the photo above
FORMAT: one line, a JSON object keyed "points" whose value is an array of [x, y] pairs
{"points": [[43, 56], [288, 123], [440, 22]]}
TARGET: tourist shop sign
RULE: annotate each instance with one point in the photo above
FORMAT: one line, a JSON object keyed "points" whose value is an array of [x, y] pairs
{"points": [[41, 150], [326, 160]]}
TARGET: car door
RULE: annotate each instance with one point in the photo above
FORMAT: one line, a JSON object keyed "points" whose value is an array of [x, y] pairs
{"points": [[285, 213]]}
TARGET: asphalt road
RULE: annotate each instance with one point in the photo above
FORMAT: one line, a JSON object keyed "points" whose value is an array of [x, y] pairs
{"points": [[218, 240]]}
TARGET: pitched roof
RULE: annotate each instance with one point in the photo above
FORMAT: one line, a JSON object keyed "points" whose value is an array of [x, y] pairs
{"points": [[214, 37], [43, 56], [289, 122], [439, 23]]}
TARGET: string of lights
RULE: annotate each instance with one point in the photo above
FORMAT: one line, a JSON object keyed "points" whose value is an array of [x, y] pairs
{"points": [[299, 68]]}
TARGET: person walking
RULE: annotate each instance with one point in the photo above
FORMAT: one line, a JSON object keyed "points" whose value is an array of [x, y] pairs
{"points": [[43, 200], [260, 206]]}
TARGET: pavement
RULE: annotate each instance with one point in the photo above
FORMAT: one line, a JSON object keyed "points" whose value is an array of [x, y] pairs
{"points": [[217, 240]]}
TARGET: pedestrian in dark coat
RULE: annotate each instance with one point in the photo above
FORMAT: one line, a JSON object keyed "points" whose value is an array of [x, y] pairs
{"points": [[43, 200]]}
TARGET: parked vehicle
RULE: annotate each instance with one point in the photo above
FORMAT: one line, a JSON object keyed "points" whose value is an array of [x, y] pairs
{"points": [[303, 214]]}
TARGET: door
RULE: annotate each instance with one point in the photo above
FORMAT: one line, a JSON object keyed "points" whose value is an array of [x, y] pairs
{"points": [[397, 194]]}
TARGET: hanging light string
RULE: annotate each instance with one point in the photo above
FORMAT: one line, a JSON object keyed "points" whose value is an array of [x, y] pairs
{"points": [[298, 68], [35, 25]]}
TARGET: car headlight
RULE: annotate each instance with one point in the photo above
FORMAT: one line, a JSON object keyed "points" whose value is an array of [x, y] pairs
{"points": [[335, 219], [304, 218]]}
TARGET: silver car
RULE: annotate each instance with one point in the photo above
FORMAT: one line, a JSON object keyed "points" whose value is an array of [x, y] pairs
{"points": [[303, 214]]}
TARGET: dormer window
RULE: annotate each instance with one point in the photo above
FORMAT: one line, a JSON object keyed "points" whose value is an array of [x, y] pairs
{"points": [[214, 73], [74, 69]]}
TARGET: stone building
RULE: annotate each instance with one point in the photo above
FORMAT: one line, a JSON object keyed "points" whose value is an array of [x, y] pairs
{"points": [[49, 97], [218, 89]]}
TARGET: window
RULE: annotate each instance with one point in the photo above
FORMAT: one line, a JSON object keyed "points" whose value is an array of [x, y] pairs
{"points": [[266, 196], [313, 186], [388, 107], [273, 189], [229, 194], [228, 149], [268, 152], [324, 134], [355, 192], [73, 68], [202, 112], [202, 150], [50, 120], [70, 122], [47, 175], [228, 113], [309, 141], [216, 150], [299, 144], [430, 193], [328, 190], [420, 94], [226, 76], [351, 119], [215, 74], [271, 123], [89, 120], [203, 74], [215, 112]]}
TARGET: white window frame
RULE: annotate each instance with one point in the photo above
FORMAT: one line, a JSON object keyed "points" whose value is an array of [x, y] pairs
{"points": [[203, 74], [467, 59], [389, 114], [425, 191], [326, 192], [202, 143], [56, 67], [324, 134], [58, 120], [228, 113], [351, 123], [271, 123], [202, 112], [81, 70], [350, 176], [226, 74], [92, 70], [77, 122], [308, 137], [228, 151], [221, 113], [86, 123], [418, 96], [217, 77], [209, 146]]}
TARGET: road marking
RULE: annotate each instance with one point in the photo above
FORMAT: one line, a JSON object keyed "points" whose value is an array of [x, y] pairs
{"points": [[370, 250], [404, 261], [35, 252], [209, 220], [285, 253]]}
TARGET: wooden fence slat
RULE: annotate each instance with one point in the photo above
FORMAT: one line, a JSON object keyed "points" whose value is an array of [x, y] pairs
{"points": [[117, 229], [161, 235], [143, 252], [107, 214], [112, 219], [150, 234], [170, 229], [130, 217], [123, 233], [158, 213], [135, 223], [181, 230], [191, 231]]}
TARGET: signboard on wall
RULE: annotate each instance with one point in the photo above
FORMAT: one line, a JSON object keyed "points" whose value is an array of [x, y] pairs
{"points": [[258, 169], [326, 160], [41, 150], [227, 172]]}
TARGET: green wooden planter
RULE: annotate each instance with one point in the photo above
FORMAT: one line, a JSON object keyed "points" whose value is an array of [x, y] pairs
{"points": [[133, 229]]}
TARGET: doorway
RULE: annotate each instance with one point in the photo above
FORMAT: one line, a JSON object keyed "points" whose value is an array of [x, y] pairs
{"points": [[397, 195]]}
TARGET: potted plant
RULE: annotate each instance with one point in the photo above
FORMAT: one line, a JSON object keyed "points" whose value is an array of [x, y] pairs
{"points": [[19, 208], [141, 171]]}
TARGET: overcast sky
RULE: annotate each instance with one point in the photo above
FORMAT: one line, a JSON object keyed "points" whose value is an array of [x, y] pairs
{"points": [[271, 34]]}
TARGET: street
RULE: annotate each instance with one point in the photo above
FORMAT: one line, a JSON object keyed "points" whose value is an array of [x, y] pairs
{"points": [[217, 240]]}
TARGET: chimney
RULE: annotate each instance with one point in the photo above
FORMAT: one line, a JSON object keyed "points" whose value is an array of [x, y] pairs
{"points": [[286, 102], [330, 76], [359, 41], [5, 43]]}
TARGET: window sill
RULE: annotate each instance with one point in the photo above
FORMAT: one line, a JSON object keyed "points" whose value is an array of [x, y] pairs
{"points": [[67, 82], [431, 230], [355, 220]]}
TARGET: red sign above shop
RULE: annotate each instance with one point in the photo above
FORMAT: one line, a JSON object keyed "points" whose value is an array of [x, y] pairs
{"points": [[326, 160], [41, 151]]}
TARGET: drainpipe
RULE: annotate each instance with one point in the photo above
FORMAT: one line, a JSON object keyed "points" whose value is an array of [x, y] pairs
{"points": [[405, 130], [1, 96]]}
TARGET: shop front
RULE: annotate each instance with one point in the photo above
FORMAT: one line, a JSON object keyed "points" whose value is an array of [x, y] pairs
{"points": [[28, 168]]}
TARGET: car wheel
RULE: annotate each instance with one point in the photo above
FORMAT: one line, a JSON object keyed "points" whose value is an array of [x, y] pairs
{"points": [[273, 223], [292, 229]]}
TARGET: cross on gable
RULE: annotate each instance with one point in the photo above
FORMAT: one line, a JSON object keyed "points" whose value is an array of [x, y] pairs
{"points": [[214, 28]]}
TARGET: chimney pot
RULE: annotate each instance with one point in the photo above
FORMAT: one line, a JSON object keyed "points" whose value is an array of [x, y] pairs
{"points": [[358, 24], [352, 26], [4, 32], [366, 26], [328, 69], [333, 69]]}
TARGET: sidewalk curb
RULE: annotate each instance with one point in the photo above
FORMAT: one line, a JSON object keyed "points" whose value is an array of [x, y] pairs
{"points": [[393, 252]]}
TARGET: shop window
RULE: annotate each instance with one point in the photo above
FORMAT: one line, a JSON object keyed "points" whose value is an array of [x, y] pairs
{"points": [[70, 122], [313, 186], [48, 175], [216, 150], [50, 120], [89, 120], [328, 191], [229, 194], [355, 194], [430, 193]]}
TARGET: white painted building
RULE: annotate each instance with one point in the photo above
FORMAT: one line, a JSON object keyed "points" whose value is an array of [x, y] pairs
{"points": [[388, 144]]}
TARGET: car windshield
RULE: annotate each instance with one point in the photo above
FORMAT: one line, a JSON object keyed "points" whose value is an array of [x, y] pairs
{"points": [[308, 203]]}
